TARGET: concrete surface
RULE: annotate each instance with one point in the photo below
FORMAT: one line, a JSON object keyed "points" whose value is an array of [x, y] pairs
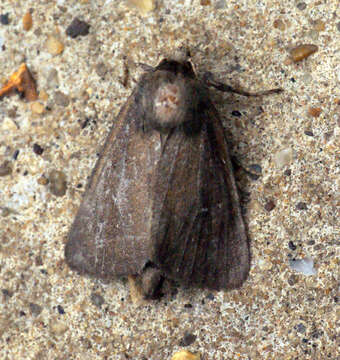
{"points": [[292, 208]]}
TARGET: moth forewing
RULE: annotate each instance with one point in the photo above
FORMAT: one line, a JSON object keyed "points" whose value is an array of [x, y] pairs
{"points": [[110, 234]]}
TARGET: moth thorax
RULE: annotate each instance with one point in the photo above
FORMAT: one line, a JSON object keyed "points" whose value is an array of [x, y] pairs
{"points": [[167, 103]]}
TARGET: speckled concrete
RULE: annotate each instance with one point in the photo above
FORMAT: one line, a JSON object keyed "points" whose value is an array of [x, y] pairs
{"points": [[292, 209]]}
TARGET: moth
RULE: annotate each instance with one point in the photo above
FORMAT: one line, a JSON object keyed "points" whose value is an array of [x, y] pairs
{"points": [[162, 199]]}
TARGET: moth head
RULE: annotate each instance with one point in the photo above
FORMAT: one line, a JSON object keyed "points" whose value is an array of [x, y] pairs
{"points": [[170, 95], [167, 103]]}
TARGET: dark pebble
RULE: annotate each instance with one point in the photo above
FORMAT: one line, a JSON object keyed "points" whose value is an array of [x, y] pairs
{"points": [[316, 333], [309, 133], [61, 310], [77, 27], [236, 113], [85, 122], [37, 149], [97, 299], [287, 172], [291, 245], [188, 306], [22, 313], [4, 19], [38, 260], [253, 176], [6, 293], [293, 279], [338, 26], [301, 5], [5, 168], [188, 339], [301, 206], [292, 80], [255, 168], [15, 154], [210, 296], [58, 184], [269, 206], [35, 309], [300, 328]]}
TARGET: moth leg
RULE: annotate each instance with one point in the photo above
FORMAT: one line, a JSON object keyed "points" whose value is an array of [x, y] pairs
{"points": [[209, 81]]}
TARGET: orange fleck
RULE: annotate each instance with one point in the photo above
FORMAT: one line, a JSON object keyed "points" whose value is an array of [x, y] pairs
{"points": [[27, 21], [315, 112], [22, 81]]}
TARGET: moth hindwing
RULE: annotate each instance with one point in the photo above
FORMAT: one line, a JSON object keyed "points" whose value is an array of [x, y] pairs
{"points": [[162, 193]]}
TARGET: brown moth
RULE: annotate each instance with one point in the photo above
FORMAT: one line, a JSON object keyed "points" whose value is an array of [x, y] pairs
{"points": [[162, 198]]}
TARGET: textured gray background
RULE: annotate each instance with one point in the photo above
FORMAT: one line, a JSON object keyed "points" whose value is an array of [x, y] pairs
{"points": [[49, 312]]}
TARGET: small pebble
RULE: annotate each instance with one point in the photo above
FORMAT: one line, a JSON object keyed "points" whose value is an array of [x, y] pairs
{"points": [[302, 52], [188, 339], [42, 180], [16, 154], [185, 355], [269, 206], [77, 28], [210, 296], [144, 6], [287, 172], [301, 205], [309, 133], [97, 300], [5, 211], [283, 157], [37, 149], [61, 310], [35, 309], [220, 4], [52, 78], [205, 2], [279, 24], [61, 99], [300, 328], [338, 26], [314, 112], [293, 279], [6, 293], [255, 168], [58, 184], [291, 245], [37, 108], [5, 168], [54, 46], [4, 19], [301, 5], [101, 69], [236, 113], [58, 328], [304, 266], [27, 21], [319, 25]]}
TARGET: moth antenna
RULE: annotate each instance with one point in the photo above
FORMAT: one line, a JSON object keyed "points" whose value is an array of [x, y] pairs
{"points": [[146, 67], [209, 81]]}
